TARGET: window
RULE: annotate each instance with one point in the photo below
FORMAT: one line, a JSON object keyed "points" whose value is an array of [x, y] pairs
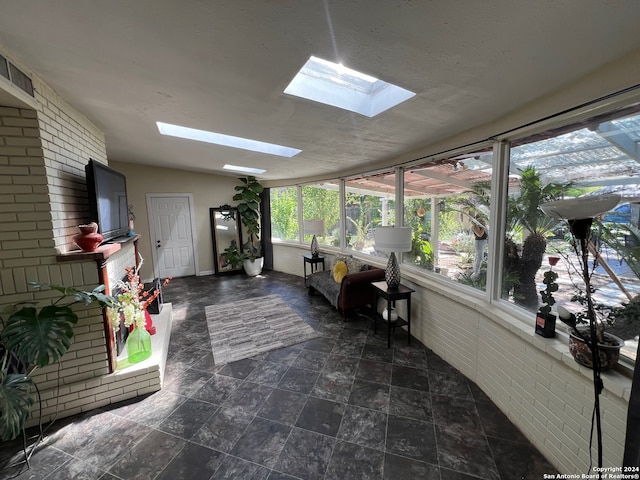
{"points": [[596, 157], [284, 213], [322, 202], [369, 202], [446, 203]]}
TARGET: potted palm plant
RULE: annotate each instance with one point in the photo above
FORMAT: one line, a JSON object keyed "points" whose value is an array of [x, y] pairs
{"points": [[249, 196], [32, 337]]}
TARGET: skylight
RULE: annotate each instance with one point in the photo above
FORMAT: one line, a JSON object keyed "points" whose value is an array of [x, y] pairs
{"points": [[336, 85], [226, 140], [236, 168]]}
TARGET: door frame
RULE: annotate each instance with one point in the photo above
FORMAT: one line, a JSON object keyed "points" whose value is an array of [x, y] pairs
{"points": [[154, 255]]}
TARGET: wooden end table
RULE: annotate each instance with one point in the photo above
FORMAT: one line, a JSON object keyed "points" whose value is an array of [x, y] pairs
{"points": [[314, 262], [381, 289]]}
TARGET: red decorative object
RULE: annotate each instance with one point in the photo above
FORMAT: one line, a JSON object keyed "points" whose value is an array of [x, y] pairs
{"points": [[148, 324], [553, 260], [88, 239]]}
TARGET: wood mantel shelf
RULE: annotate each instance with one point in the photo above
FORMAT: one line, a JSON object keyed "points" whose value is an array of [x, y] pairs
{"points": [[102, 253]]}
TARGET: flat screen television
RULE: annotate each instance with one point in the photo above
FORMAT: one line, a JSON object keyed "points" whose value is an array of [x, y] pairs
{"points": [[108, 205]]}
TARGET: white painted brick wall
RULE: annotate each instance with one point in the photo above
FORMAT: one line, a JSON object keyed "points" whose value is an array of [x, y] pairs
{"points": [[118, 262]]}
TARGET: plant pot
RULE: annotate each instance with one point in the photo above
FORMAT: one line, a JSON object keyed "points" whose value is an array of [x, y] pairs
{"points": [[609, 351], [546, 325], [253, 268]]}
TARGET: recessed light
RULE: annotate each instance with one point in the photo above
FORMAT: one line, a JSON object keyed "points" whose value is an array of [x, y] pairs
{"points": [[338, 86], [226, 140], [236, 168]]}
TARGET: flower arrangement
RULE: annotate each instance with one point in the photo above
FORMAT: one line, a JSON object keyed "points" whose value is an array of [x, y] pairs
{"points": [[132, 301]]}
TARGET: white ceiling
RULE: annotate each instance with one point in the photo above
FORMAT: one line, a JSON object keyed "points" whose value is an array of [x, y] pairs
{"points": [[222, 65]]}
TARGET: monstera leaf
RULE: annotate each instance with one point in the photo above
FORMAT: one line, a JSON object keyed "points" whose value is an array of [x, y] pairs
{"points": [[16, 398], [40, 338]]}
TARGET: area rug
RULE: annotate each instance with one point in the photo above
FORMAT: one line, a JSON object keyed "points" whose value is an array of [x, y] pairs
{"points": [[248, 327]]}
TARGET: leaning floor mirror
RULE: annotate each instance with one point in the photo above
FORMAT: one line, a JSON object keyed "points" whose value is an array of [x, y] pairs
{"points": [[225, 233]]}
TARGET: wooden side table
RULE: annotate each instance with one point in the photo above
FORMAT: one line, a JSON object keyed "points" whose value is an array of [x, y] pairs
{"points": [[381, 289], [314, 262]]}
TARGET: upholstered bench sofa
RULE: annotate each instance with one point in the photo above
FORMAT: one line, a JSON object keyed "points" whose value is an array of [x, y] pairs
{"points": [[353, 291]]}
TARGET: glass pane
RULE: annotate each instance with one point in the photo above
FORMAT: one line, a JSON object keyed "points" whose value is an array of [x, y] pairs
{"points": [[284, 213], [445, 202], [369, 202], [595, 158], [322, 202]]}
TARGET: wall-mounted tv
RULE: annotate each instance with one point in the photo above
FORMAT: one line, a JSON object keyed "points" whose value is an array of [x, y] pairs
{"points": [[108, 205]]}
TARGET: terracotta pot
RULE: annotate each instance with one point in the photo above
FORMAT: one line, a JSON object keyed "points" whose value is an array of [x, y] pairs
{"points": [[609, 352], [88, 239]]}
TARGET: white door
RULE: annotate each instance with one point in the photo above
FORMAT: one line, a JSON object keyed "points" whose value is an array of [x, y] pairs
{"points": [[172, 238]]}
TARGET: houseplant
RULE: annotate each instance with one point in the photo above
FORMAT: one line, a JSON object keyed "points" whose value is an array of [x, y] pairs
{"points": [[249, 196], [545, 320], [234, 256], [33, 337], [580, 348]]}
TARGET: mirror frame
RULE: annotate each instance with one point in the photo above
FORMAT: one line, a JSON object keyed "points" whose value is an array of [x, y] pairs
{"points": [[217, 215]]}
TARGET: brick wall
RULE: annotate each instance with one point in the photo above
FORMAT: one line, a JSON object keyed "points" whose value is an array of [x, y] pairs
{"points": [[42, 200], [68, 142]]}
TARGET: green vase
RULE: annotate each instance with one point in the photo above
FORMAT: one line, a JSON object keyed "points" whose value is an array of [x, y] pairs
{"points": [[138, 345]]}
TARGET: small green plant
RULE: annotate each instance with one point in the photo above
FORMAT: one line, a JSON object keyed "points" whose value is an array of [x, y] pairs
{"points": [[235, 257]]}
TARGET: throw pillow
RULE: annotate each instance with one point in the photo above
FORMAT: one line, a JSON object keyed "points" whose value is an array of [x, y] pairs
{"points": [[353, 265], [340, 258], [339, 271]]}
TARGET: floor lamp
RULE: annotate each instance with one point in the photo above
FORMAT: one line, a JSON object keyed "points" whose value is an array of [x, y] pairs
{"points": [[579, 214]]}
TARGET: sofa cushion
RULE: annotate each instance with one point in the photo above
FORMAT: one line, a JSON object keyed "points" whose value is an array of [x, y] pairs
{"points": [[340, 258], [339, 271], [353, 265]]}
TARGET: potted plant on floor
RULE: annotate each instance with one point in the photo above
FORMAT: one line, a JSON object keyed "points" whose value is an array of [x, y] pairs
{"points": [[32, 337], [249, 196]]}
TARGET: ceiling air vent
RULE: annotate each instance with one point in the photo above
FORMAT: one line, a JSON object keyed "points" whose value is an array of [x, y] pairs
{"points": [[4, 67], [20, 79]]}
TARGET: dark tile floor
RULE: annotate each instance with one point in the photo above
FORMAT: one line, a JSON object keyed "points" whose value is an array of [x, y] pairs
{"points": [[341, 407]]}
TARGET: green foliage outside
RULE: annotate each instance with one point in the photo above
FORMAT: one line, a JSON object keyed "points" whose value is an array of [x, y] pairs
{"points": [[364, 214], [322, 204], [284, 213], [421, 253]]}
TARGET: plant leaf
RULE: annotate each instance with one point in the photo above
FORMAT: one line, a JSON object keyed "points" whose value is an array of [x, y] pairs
{"points": [[40, 338], [16, 398]]}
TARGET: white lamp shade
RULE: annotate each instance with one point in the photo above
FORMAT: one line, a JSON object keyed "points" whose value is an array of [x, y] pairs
{"points": [[314, 227], [393, 239]]}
